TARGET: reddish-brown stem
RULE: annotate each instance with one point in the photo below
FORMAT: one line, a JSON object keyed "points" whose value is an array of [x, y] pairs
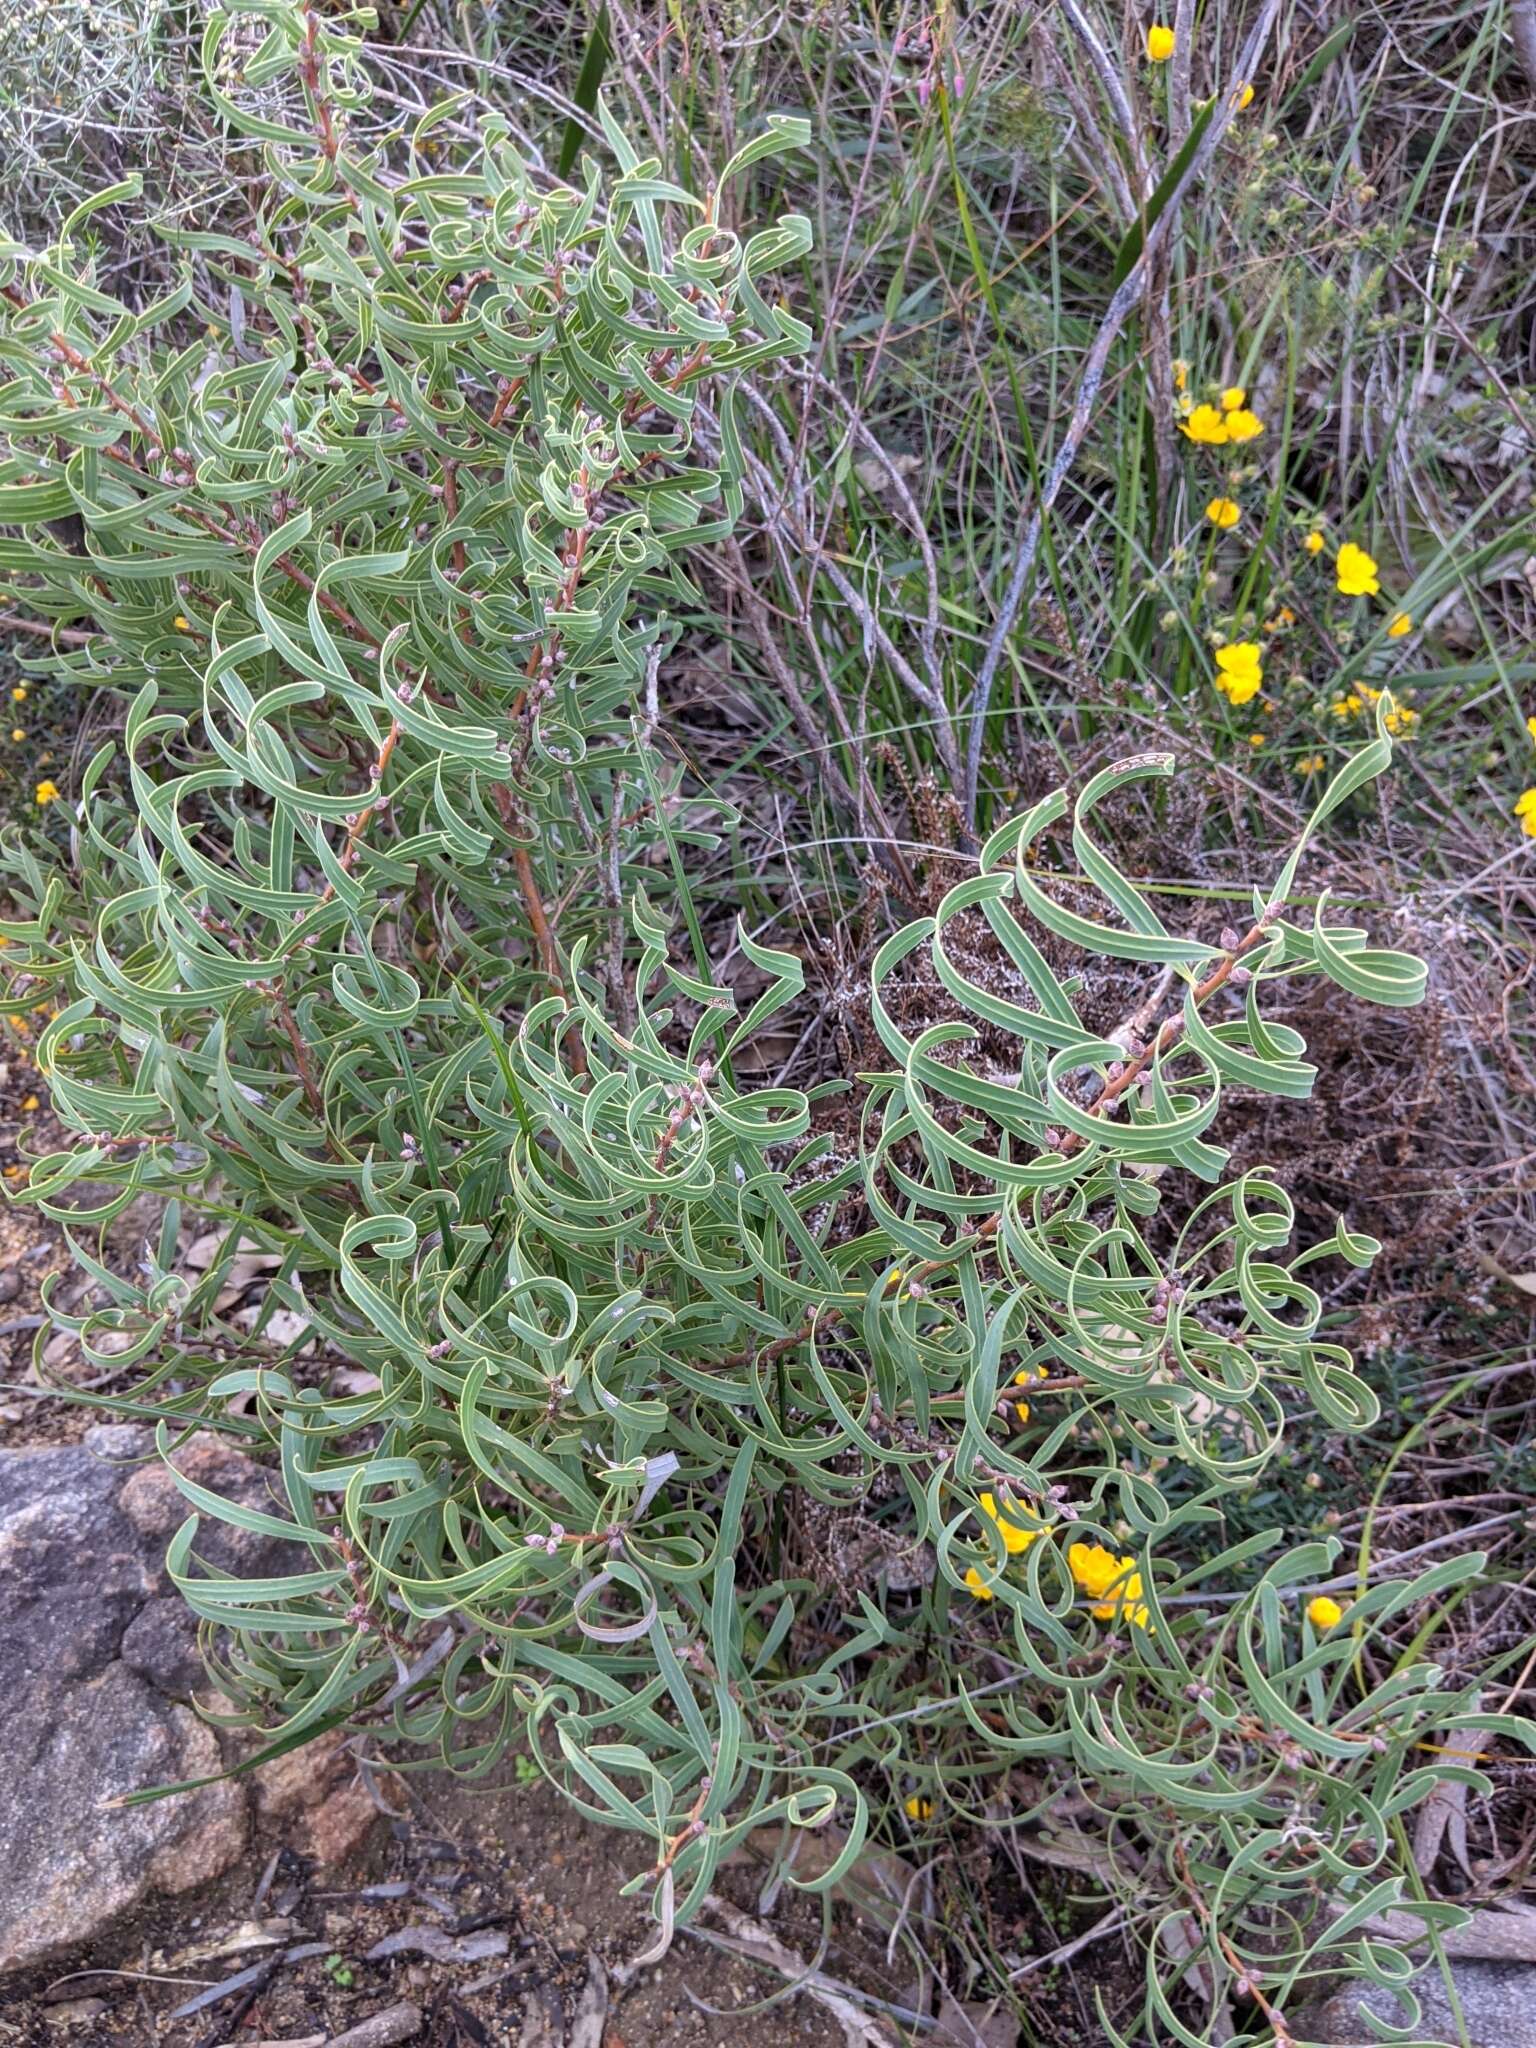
{"points": [[312, 1093], [71, 636], [544, 938], [1172, 1026], [690, 1832], [1234, 1962], [504, 398]]}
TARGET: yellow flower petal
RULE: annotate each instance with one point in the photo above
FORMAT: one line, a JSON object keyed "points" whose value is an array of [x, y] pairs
{"points": [[977, 1585], [1239, 671], [1323, 1612], [916, 1808], [1243, 425], [47, 792], [1314, 543], [1356, 572], [1234, 398], [1160, 42], [1206, 425], [1402, 623], [1016, 1537], [1223, 512]]}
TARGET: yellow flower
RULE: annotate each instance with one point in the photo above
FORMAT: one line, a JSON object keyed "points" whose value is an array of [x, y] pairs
{"points": [[183, 625], [1127, 1594], [17, 733], [1311, 764], [1401, 720], [1530, 726], [1016, 1538], [1401, 623], [1243, 425], [977, 1585], [1239, 674], [1313, 543], [1094, 1568], [1234, 398], [1525, 811], [1357, 572], [1345, 707], [31, 1103], [1223, 512], [1021, 1408], [1255, 739], [1323, 1612], [1160, 41], [916, 1808], [1112, 1583], [1180, 373], [19, 694], [1243, 97], [47, 792], [1207, 425]]}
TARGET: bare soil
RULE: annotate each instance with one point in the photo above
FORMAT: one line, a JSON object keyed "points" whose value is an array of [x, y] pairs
{"points": [[511, 1887]]}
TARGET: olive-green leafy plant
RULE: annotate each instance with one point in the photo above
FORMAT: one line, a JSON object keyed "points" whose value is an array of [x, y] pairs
{"points": [[750, 1475]]}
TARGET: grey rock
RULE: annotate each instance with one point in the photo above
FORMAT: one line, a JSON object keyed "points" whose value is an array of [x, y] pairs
{"points": [[73, 1570], [1498, 2004], [97, 1650], [161, 1649], [73, 1864]]}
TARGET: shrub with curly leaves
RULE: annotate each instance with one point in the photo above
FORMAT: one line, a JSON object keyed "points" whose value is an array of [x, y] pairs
{"points": [[371, 937]]}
